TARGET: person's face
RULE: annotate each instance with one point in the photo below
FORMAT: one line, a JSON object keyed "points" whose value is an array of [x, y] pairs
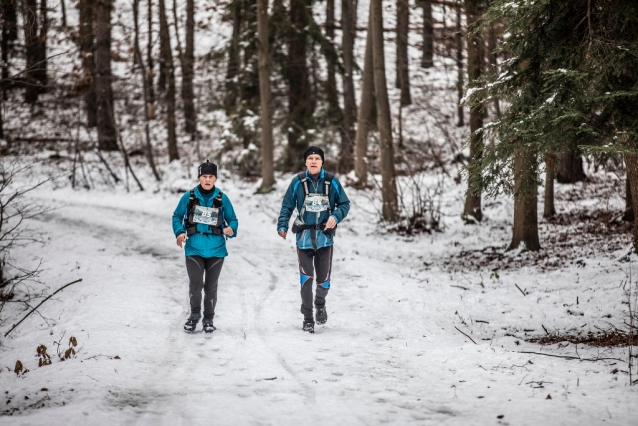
{"points": [[314, 163], [207, 181]]}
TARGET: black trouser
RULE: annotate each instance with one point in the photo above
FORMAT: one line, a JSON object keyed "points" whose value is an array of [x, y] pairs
{"points": [[199, 267], [322, 259]]}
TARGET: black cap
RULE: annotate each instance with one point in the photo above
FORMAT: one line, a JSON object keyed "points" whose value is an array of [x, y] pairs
{"points": [[313, 150], [207, 168]]}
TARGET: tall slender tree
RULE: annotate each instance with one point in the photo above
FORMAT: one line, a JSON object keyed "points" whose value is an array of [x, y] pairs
{"points": [[9, 17], [403, 70], [348, 33], [232, 69], [188, 95], [459, 64], [30, 14], [473, 10], [107, 135], [365, 109], [388, 179], [267, 143], [150, 110], [86, 36], [300, 103], [41, 69], [169, 72], [427, 60], [525, 228], [548, 203]]}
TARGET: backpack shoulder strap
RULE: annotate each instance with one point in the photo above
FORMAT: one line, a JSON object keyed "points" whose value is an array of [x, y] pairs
{"points": [[217, 202], [327, 182], [304, 180]]}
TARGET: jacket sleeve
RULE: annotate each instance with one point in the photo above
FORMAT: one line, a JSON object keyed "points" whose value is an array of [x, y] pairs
{"points": [[342, 202], [229, 215], [288, 205], [180, 214]]}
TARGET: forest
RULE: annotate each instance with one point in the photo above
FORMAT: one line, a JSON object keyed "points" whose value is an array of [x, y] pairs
{"points": [[489, 148]]}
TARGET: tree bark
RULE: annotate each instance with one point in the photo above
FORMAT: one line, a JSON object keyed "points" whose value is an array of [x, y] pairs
{"points": [[525, 228], [631, 161], [9, 36], [365, 110], [491, 43], [169, 72], [403, 71], [427, 59], [388, 180], [570, 167], [106, 132], [629, 209], [267, 144], [459, 66], [41, 69], [332, 95], [140, 62], [188, 95], [348, 25], [63, 5], [472, 210], [550, 167], [30, 13], [299, 93], [87, 53], [150, 110]]}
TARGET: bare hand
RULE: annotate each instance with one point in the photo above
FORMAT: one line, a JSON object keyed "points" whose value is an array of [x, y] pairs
{"points": [[282, 234], [332, 222], [229, 231], [180, 239]]}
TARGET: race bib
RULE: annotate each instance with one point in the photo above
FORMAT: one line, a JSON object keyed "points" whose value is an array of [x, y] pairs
{"points": [[206, 215], [316, 203]]}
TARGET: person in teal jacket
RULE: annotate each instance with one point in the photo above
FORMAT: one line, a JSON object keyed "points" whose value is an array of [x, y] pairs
{"points": [[202, 222], [321, 203]]}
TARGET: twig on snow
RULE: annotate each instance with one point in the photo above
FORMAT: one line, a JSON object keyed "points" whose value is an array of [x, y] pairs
{"points": [[40, 304], [466, 335], [524, 294], [570, 357]]}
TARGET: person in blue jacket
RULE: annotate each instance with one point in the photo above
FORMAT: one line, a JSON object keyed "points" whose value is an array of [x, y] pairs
{"points": [[202, 222], [321, 204]]}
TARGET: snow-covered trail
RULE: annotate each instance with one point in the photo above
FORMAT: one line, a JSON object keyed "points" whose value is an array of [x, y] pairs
{"points": [[388, 354]]}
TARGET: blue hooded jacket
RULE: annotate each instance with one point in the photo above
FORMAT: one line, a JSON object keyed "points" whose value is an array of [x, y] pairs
{"points": [[203, 243], [294, 198]]}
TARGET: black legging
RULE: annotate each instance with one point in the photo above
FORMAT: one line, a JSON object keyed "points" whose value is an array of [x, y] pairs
{"points": [[198, 267], [320, 262]]}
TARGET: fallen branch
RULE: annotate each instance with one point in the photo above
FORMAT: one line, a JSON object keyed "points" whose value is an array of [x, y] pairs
{"points": [[466, 335], [520, 289], [40, 304], [570, 357]]}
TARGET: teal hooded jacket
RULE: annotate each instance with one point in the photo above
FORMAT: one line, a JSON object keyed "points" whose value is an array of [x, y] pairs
{"points": [[203, 243]]}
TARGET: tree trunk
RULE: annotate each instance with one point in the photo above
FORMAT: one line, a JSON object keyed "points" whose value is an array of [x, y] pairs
{"points": [[388, 180], [491, 43], [169, 72], [472, 210], [332, 95], [30, 13], [299, 93], [233, 59], [427, 60], [9, 36], [267, 144], [365, 109], [161, 80], [403, 71], [459, 66], [150, 111], [63, 5], [629, 209], [140, 62], [106, 132], [87, 53], [348, 25], [41, 69], [187, 70], [550, 168], [570, 167], [525, 228], [631, 161]]}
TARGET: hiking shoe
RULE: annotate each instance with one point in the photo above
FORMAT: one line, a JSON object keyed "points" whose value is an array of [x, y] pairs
{"points": [[309, 326], [190, 325], [208, 326], [322, 315]]}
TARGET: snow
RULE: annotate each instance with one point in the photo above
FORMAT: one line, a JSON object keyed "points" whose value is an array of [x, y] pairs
{"points": [[391, 352]]}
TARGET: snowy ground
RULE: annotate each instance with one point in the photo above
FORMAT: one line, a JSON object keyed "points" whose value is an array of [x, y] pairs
{"points": [[391, 352]]}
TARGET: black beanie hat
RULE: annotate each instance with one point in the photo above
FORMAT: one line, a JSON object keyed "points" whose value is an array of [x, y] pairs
{"points": [[313, 150], [207, 168]]}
